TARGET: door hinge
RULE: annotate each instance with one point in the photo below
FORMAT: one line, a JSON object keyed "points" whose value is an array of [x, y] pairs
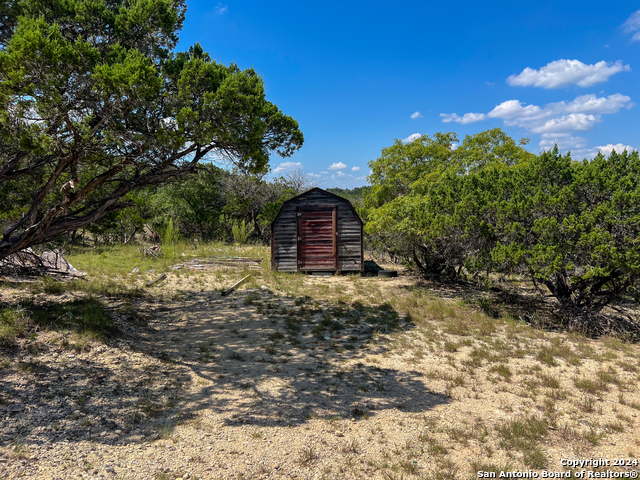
{"points": [[299, 238]]}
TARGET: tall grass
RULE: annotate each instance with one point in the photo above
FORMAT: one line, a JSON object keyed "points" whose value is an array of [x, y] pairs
{"points": [[170, 239], [13, 324], [241, 232]]}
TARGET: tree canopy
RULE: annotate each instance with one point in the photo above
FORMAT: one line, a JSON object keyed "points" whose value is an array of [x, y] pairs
{"points": [[94, 103], [570, 226], [403, 178]]}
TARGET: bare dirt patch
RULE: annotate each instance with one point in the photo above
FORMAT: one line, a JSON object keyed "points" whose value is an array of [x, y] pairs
{"points": [[309, 377]]}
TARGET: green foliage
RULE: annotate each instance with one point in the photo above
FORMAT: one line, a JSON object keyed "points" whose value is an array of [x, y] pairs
{"points": [[87, 316], [241, 232], [354, 195], [13, 324], [416, 184], [171, 235], [571, 226], [204, 206], [96, 104]]}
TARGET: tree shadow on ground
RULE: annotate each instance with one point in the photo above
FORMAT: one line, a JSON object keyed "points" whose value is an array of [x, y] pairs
{"points": [[267, 360], [251, 358], [517, 298], [520, 299]]}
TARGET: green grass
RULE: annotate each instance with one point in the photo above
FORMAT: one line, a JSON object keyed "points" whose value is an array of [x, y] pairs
{"points": [[590, 386], [86, 317], [14, 323], [120, 260], [524, 435]]}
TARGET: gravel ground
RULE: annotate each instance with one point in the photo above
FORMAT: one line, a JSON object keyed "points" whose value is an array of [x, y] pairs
{"points": [[259, 385]]}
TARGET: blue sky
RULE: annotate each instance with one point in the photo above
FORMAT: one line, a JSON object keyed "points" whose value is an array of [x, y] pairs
{"points": [[359, 75]]}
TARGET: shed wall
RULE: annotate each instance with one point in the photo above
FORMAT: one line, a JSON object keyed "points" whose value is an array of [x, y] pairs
{"points": [[285, 235]]}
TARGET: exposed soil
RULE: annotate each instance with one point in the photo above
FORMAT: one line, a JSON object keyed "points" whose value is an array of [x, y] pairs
{"points": [[262, 385]]}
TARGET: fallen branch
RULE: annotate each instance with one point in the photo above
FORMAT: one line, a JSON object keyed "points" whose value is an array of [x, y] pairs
{"points": [[234, 286], [159, 279], [29, 263], [154, 251]]}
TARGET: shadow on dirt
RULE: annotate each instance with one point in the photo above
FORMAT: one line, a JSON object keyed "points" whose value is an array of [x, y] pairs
{"points": [[251, 358], [266, 360]]}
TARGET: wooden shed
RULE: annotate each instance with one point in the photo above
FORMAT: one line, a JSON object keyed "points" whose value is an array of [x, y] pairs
{"points": [[317, 231]]}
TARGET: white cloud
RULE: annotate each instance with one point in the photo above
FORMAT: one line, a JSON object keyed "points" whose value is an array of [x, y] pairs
{"points": [[466, 118], [489, 84], [532, 117], [337, 166], [565, 141], [618, 147], [411, 138], [581, 114], [562, 73], [575, 122], [592, 104], [355, 169], [286, 166], [221, 9], [555, 121], [415, 115], [633, 25]]}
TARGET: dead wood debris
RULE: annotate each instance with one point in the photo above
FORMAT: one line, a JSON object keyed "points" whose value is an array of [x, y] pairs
{"points": [[154, 251], [27, 263], [157, 280], [234, 286], [215, 262]]}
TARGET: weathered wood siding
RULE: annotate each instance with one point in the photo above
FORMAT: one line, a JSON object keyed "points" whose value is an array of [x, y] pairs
{"points": [[312, 255]]}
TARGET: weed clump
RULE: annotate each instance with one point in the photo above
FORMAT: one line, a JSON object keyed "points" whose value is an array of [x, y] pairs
{"points": [[13, 325]]}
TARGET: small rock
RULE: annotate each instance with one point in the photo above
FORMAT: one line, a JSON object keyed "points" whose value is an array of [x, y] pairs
{"points": [[339, 433], [109, 470], [118, 432], [15, 407]]}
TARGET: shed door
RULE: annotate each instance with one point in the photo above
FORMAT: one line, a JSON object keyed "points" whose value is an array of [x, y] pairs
{"points": [[317, 238]]}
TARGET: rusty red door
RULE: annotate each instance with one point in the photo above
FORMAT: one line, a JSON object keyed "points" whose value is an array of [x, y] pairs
{"points": [[317, 238]]}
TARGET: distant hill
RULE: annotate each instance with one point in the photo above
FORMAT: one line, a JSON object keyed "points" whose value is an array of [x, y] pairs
{"points": [[354, 195]]}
